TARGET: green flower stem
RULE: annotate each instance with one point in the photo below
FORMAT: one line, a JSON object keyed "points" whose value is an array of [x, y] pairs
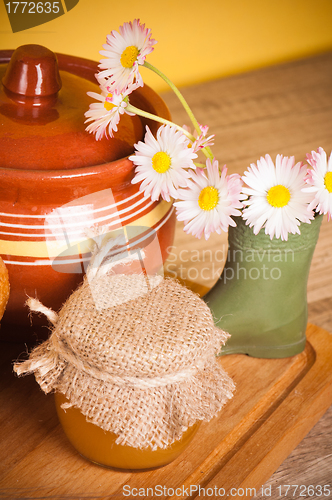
{"points": [[207, 151], [177, 93], [145, 114]]}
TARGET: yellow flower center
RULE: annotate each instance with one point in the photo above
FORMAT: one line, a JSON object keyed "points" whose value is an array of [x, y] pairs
{"points": [[328, 181], [108, 105], [161, 162], [278, 196], [129, 56], [208, 198]]}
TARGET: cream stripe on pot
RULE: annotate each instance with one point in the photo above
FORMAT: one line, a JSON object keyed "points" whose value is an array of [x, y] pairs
{"points": [[56, 215], [42, 249], [75, 223]]}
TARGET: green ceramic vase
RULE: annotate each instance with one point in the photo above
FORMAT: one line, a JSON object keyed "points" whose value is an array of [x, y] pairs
{"points": [[261, 296]]}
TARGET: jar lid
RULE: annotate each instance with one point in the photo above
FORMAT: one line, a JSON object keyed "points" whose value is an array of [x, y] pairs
{"points": [[148, 326], [43, 98]]}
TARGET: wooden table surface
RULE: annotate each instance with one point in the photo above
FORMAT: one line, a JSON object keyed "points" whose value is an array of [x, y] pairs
{"points": [[284, 109]]}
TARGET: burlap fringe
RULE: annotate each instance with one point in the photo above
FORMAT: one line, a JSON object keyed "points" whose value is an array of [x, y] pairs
{"points": [[142, 417]]}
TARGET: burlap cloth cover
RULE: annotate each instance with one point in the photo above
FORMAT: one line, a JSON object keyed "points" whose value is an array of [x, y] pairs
{"points": [[143, 366]]}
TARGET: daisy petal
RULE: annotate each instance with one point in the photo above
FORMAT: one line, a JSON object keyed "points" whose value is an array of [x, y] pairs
{"points": [[162, 163], [276, 200], [319, 181], [209, 201], [123, 53]]}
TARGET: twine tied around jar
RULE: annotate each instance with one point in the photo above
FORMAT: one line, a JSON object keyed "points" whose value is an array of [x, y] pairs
{"points": [[144, 367]]}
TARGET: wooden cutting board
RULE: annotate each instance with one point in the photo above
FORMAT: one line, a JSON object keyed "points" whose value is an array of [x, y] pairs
{"points": [[275, 405]]}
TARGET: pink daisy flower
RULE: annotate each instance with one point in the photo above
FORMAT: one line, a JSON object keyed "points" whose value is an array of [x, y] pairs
{"points": [[162, 162], [210, 200], [105, 115], [320, 182], [124, 52], [201, 140]]}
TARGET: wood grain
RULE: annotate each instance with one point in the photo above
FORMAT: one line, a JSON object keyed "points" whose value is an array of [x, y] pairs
{"points": [[276, 403], [282, 109]]}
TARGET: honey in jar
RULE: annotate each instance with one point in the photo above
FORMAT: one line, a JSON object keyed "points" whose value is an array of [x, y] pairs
{"points": [[100, 447]]}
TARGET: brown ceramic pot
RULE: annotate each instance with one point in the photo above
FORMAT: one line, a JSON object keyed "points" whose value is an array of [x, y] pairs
{"points": [[57, 181]]}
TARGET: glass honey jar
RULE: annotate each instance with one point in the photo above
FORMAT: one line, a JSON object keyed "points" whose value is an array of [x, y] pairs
{"points": [[100, 447], [132, 362]]}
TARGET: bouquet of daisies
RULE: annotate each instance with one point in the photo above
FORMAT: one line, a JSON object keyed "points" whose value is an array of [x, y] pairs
{"points": [[275, 196]]}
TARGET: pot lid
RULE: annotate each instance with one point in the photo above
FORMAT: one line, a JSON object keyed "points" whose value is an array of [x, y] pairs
{"points": [[42, 106]]}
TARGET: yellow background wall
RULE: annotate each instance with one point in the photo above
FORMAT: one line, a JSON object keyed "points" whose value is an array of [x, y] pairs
{"points": [[197, 40]]}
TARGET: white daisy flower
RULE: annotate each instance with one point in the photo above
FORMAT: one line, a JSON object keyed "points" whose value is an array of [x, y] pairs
{"points": [[209, 201], [124, 52], [162, 162], [105, 115], [320, 182], [276, 200]]}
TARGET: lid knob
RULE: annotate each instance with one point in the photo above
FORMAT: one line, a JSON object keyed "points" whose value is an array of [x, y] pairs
{"points": [[33, 71]]}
